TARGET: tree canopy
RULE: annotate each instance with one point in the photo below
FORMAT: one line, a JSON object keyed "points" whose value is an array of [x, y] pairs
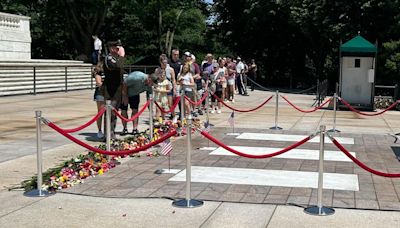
{"points": [[291, 40]]}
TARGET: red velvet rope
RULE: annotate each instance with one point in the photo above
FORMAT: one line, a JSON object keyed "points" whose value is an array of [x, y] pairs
{"points": [[238, 110], [207, 135], [306, 111], [100, 113], [106, 152], [362, 165], [135, 116], [368, 114], [176, 102], [199, 101]]}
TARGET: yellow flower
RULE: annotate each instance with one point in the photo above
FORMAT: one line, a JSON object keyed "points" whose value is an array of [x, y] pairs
{"points": [[101, 172]]}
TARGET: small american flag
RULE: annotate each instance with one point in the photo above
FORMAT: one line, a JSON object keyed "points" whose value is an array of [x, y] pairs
{"points": [[166, 147], [231, 119]]}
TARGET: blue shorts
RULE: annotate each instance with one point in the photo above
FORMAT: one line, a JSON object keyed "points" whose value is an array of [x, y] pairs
{"points": [[133, 103], [98, 95]]}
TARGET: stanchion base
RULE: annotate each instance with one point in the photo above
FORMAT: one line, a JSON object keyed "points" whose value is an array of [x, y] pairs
{"points": [[333, 130], [315, 210], [167, 171], [276, 128], [184, 203], [37, 193], [207, 148]]}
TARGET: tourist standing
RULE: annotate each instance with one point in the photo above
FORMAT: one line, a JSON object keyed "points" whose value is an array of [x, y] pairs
{"points": [[170, 76], [185, 79], [252, 72], [162, 88], [231, 66], [240, 77], [98, 74], [218, 78], [176, 64], [97, 47]]}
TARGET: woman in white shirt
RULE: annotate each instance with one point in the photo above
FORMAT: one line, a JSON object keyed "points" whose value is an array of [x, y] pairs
{"points": [[185, 79]]}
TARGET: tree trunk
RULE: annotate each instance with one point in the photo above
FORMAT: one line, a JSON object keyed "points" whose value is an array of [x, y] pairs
{"points": [[171, 41]]}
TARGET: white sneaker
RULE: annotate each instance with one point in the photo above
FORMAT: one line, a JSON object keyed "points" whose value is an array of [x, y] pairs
{"points": [[212, 111], [233, 100], [219, 111], [100, 135]]}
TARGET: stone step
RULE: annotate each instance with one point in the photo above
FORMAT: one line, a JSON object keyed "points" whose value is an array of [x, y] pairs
{"points": [[17, 77], [43, 77], [4, 81]]}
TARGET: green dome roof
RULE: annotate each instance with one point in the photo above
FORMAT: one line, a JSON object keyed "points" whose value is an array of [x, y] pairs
{"points": [[358, 45]]}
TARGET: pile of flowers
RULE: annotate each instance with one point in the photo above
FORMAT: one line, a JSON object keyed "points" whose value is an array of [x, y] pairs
{"points": [[73, 172], [76, 170]]}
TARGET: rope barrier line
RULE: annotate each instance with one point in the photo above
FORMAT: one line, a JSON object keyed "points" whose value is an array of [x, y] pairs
{"points": [[359, 163], [281, 90], [133, 117], [208, 136], [199, 101], [176, 102], [367, 114], [106, 152], [238, 110], [306, 111], [97, 116]]}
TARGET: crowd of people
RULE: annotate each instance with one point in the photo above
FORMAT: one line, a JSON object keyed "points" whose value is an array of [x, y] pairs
{"points": [[225, 77]]}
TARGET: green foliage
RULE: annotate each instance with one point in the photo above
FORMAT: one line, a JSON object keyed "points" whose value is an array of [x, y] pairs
{"points": [[391, 55], [290, 39], [300, 39]]}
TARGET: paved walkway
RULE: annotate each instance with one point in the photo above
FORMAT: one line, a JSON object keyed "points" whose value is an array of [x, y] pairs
{"points": [[131, 195]]}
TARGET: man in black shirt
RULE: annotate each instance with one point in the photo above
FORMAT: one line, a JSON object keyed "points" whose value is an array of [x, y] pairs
{"points": [[176, 64]]}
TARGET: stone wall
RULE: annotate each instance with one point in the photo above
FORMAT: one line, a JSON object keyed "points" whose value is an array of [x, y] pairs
{"points": [[15, 37]]}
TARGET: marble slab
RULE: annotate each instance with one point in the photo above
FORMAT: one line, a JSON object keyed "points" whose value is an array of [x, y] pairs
{"points": [[305, 154], [282, 178]]}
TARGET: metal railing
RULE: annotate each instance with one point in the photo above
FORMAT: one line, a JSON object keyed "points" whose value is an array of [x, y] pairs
{"points": [[35, 78], [395, 88]]}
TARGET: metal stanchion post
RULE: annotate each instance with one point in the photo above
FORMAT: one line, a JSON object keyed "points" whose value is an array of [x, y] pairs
{"points": [[207, 105], [207, 114], [151, 117], [319, 209], [182, 114], [276, 112], [188, 202], [334, 114], [108, 125], [39, 191]]}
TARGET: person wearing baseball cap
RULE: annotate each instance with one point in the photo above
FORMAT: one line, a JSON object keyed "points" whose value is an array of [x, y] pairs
{"points": [[113, 79]]}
